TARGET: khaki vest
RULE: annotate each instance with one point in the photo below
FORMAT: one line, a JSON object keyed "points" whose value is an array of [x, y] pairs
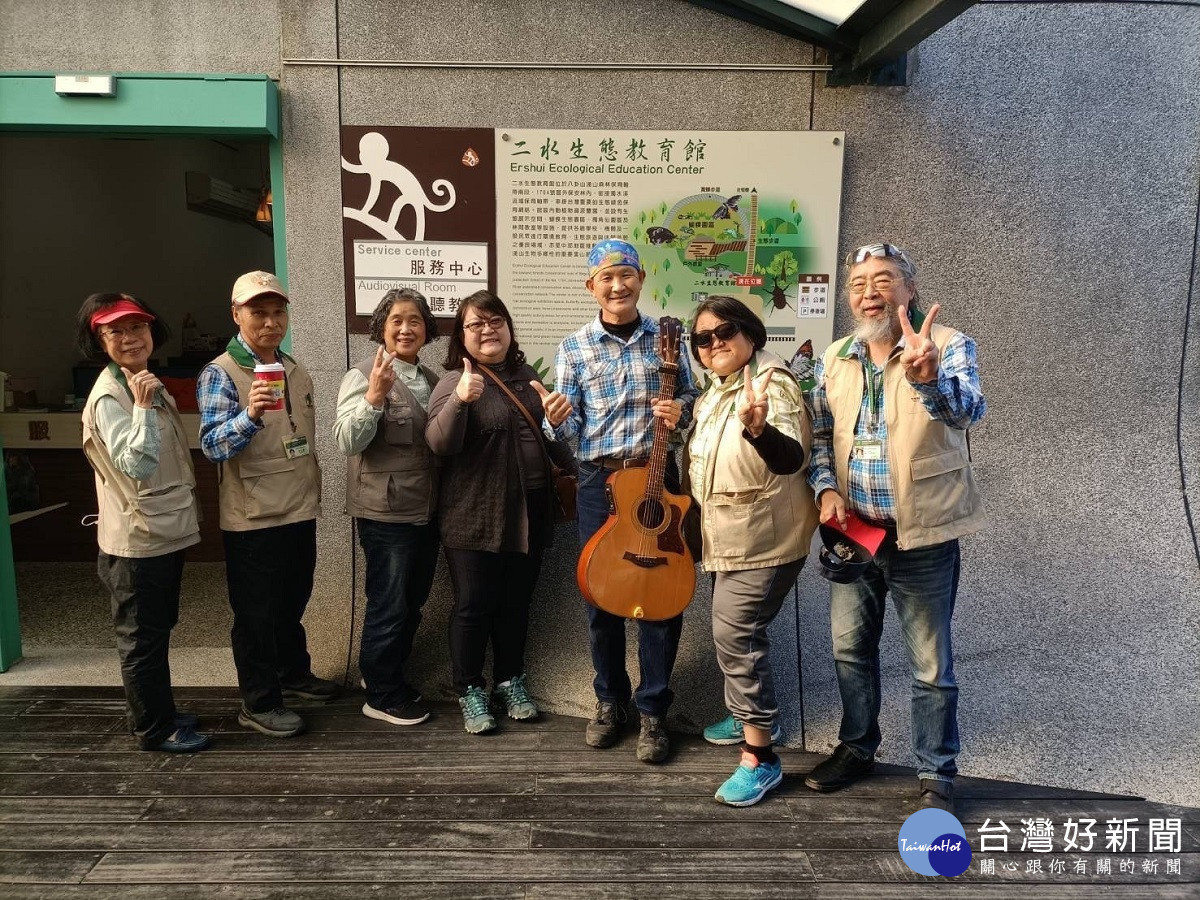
{"points": [[154, 516], [261, 487], [395, 479], [934, 486], [752, 518]]}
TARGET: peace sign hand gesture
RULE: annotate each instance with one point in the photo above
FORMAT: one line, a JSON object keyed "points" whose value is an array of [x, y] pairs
{"points": [[381, 379], [921, 356], [752, 408]]}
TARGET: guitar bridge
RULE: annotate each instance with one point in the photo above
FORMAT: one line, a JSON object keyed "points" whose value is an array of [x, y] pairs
{"points": [[646, 562]]}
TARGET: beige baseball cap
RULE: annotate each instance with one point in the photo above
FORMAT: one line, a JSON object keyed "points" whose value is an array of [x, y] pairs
{"points": [[255, 284]]}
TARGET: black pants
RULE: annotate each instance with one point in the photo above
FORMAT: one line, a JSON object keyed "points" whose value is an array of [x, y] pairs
{"points": [[270, 577], [145, 607], [492, 594]]}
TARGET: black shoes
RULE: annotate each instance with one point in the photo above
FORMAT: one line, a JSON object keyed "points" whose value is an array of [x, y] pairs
{"points": [[605, 726], [937, 794], [841, 770], [652, 744], [312, 688]]}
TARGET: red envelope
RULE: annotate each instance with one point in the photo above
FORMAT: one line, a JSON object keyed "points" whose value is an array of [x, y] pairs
{"points": [[869, 536]]}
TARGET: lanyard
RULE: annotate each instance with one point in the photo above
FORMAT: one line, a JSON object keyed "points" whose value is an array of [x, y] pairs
{"points": [[874, 399]]}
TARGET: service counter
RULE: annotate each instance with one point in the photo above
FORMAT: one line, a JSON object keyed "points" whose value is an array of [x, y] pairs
{"points": [[52, 442]]}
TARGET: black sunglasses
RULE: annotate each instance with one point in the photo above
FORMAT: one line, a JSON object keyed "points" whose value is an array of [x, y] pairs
{"points": [[726, 331]]}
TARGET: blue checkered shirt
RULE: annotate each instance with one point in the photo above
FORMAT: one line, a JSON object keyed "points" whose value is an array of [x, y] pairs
{"points": [[226, 429], [955, 399], [611, 385]]}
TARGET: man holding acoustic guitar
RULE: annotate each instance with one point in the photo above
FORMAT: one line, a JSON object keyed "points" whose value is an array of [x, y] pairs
{"points": [[609, 374]]}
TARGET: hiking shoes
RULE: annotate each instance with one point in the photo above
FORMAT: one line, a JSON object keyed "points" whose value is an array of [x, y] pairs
{"points": [[516, 698], [477, 718], [310, 687], [605, 726], [750, 781], [183, 740], [730, 731], [652, 743], [279, 722]]}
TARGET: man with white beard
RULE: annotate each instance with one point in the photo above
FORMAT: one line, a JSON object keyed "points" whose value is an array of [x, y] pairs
{"points": [[890, 412]]}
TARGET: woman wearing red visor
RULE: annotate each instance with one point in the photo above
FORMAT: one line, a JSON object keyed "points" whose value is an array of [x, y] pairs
{"points": [[146, 491]]}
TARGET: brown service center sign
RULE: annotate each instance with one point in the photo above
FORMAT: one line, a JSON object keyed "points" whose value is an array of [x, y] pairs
{"points": [[415, 184]]}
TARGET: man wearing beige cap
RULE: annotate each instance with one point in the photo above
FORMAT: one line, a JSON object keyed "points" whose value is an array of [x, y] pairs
{"points": [[270, 496]]}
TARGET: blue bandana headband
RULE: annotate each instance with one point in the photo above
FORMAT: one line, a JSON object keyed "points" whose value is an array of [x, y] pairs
{"points": [[612, 253]]}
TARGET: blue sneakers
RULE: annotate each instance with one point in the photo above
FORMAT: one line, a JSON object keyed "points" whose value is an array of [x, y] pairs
{"points": [[750, 782], [730, 731]]}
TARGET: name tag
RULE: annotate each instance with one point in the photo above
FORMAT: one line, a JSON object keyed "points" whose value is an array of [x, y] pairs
{"points": [[296, 446], [867, 448]]}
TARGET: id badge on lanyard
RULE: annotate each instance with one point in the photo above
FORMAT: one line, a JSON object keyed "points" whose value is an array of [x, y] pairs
{"points": [[870, 445]]}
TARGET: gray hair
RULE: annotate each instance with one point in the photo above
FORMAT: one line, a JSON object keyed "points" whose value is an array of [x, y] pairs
{"points": [[903, 262]]}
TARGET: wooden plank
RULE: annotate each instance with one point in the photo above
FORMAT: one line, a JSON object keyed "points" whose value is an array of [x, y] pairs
{"points": [[65, 725], [322, 891], [31, 866], [754, 836], [786, 890], [669, 780], [466, 865], [838, 808], [332, 783], [93, 763], [75, 809], [245, 836], [876, 866], [438, 808], [244, 739]]}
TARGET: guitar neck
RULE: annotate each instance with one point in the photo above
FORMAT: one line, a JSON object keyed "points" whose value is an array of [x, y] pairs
{"points": [[658, 454]]}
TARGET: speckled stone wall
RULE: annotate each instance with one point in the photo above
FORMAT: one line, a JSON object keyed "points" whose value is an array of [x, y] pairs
{"points": [[1042, 168]]}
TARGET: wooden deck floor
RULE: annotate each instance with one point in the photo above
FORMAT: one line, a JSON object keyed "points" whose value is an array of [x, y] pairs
{"points": [[357, 808]]}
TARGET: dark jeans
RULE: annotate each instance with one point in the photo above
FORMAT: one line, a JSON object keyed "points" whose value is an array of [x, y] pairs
{"points": [[923, 584], [658, 642], [145, 607], [492, 594], [270, 577], [401, 559]]}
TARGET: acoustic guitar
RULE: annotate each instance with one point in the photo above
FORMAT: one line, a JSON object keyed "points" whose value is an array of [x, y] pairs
{"points": [[637, 565]]}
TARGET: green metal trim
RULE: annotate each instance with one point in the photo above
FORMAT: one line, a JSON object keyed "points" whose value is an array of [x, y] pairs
{"points": [[903, 28], [10, 618], [216, 105], [278, 231]]}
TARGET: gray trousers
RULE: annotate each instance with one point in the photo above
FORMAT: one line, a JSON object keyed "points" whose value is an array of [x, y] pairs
{"points": [[743, 605]]}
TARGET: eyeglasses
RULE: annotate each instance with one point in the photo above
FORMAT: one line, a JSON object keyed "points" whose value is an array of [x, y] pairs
{"points": [[884, 250], [495, 323], [137, 329], [726, 331]]}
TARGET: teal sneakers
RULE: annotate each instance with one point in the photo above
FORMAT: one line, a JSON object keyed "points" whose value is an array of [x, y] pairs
{"points": [[476, 717], [516, 698], [750, 782], [730, 731]]}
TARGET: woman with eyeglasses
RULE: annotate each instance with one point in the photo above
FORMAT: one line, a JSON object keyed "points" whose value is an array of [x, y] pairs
{"points": [[744, 465], [496, 511], [146, 492]]}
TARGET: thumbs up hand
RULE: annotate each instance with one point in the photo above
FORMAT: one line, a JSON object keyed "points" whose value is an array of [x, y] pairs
{"points": [[470, 385], [556, 406]]}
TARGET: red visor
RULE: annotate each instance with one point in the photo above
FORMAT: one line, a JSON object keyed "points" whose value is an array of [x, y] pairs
{"points": [[118, 310]]}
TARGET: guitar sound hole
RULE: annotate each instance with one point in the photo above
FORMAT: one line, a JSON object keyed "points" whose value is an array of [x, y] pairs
{"points": [[650, 513]]}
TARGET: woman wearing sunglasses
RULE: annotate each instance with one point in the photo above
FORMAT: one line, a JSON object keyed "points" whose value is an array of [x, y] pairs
{"points": [[146, 494], [496, 510], [745, 467]]}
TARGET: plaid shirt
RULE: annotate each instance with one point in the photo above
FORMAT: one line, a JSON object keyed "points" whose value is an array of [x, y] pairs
{"points": [[955, 400], [226, 429], [610, 385]]}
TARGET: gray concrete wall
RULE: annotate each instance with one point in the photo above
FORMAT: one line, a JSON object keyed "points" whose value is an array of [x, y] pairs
{"points": [[1042, 167]]}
